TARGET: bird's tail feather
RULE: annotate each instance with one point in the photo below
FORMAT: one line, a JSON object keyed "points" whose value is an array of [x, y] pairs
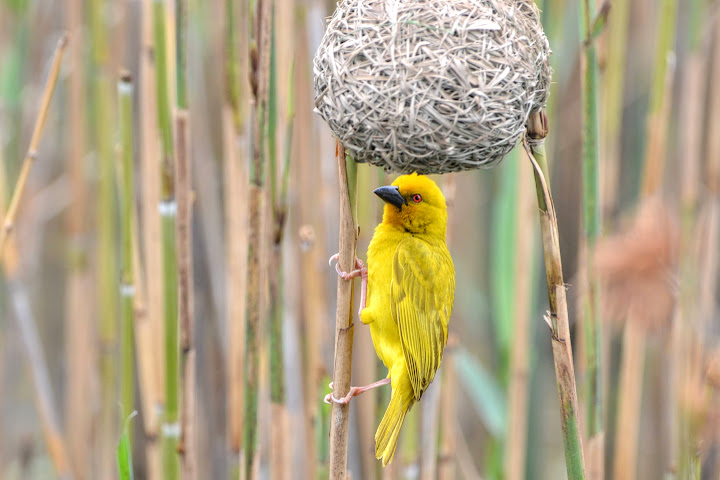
{"points": [[388, 432]]}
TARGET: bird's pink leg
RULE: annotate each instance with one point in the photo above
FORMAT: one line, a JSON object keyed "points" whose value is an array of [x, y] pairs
{"points": [[360, 271], [354, 392]]}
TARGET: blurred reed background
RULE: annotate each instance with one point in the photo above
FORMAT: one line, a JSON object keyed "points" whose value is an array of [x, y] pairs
{"points": [[181, 137]]}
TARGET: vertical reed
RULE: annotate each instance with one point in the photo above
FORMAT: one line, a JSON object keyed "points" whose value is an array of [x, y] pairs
{"points": [[519, 372], [80, 354], [259, 79], [557, 318], [150, 326], [347, 178], [168, 213], [42, 388], [278, 200], [657, 119], [183, 190], [126, 189], [591, 227], [107, 251], [235, 150]]}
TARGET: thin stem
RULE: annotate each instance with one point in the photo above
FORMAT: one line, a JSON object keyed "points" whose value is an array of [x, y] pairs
{"points": [[558, 317], [168, 214], [163, 97], [347, 178], [591, 217], [259, 81], [31, 156], [127, 278]]}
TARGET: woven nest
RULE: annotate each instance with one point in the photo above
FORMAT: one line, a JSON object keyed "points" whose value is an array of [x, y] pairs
{"points": [[431, 86]]}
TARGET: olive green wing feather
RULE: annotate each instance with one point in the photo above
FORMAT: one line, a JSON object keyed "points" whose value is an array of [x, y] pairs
{"points": [[422, 293]]}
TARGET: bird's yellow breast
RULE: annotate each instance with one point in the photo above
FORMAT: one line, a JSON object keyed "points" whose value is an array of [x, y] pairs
{"points": [[377, 314]]}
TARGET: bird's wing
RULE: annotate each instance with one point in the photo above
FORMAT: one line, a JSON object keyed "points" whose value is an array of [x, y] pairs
{"points": [[422, 292]]}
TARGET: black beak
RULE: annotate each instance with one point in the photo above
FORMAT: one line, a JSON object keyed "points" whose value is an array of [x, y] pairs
{"points": [[391, 195]]}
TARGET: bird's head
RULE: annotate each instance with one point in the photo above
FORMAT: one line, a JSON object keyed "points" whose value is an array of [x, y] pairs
{"points": [[414, 203]]}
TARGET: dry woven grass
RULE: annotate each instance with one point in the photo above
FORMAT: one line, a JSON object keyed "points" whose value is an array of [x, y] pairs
{"points": [[429, 85]]}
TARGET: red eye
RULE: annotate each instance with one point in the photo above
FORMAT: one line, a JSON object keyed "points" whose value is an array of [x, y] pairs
{"points": [[417, 198]]}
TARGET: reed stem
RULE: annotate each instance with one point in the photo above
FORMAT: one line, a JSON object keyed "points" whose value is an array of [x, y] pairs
{"points": [[557, 318], [591, 219], [259, 79], [347, 178], [126, 189], [11, 214]]}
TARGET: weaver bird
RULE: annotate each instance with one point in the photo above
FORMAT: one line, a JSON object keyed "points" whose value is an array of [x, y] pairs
{"points": [[407, 297]]}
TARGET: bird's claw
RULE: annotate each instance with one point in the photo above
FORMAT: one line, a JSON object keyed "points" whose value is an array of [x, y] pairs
{"points": [[330, 398], [359, 271]]}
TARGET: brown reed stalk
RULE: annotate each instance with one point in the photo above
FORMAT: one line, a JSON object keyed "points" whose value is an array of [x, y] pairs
{"points": [[259, 81], [149, 327], [80, 354], [235, 150], [43, 395], [8, 223], [347, 182], [236, 221], [183, 191], [709, 269], [660, 101], [516, 447], [557, 318], [187, 446], [629, 401]]}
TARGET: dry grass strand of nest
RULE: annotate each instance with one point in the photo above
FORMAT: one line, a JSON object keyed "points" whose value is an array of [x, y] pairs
{"points": [[429, 85]]}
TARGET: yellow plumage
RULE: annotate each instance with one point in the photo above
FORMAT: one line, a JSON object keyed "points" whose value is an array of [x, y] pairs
{"points": [[411, 286]]}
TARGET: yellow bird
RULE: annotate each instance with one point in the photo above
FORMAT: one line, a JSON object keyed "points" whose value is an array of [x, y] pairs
{"points": [[410, 291]]}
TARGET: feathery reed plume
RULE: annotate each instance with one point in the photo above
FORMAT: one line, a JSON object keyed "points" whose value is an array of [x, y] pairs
{"points": [[636, 273], [557, 318]]}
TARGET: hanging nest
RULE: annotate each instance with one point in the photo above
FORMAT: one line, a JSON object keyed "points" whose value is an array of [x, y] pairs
{"points": [[431, 86]]}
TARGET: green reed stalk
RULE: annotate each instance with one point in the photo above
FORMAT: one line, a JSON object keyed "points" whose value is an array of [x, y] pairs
{"points": [[557, 318], [126, 184], [658, 112], [107, 264], [168, 214], [591, 216]]}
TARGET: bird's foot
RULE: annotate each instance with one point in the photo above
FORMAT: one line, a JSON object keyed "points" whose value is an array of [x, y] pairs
{"points": [[360, 271], [354, 392]]}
